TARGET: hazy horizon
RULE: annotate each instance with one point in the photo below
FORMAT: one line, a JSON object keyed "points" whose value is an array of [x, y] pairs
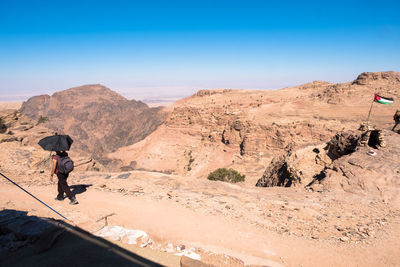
{"points": [[160, 49]]}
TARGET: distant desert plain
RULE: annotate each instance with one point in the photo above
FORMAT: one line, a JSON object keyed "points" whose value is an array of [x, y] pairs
{"points": [[321, 184]]}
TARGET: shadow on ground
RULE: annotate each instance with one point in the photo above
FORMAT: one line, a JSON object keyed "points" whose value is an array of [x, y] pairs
{"points": [[33, 241], [79, 188]]}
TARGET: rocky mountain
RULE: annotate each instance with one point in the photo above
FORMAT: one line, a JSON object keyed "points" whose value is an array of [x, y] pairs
{"points": [[97, 118], [244, 129]]}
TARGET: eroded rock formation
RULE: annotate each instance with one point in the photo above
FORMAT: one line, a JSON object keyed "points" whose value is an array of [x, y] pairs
{"points": [[366, 160], [298, 167]]}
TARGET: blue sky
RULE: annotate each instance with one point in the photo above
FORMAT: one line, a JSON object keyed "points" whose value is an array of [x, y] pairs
{"points": [[159, 49]]}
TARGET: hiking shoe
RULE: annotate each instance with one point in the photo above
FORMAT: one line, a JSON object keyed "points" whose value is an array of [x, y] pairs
{"points": [[73, 201], [59, 198]]}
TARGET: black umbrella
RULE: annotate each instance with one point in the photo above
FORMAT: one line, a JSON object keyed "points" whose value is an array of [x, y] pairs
{"points": [[56, 143]]}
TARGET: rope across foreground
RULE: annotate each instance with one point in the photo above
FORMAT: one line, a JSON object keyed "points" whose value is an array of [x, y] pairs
{"points": [[35, 198]]}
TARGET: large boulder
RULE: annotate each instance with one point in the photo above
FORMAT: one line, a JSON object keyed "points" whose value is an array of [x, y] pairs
{"points": [[299, 167], [368, 171], [362, 161], [343, 143]]}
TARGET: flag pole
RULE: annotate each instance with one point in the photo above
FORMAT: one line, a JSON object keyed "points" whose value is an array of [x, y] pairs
{"points": [[370, 109], [369, 113]]}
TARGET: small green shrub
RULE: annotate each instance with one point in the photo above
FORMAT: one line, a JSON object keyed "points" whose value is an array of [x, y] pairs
{"points": [[42, 119], [191, 160], [226, 175]]}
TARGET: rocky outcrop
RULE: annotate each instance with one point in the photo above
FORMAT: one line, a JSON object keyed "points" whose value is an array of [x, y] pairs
{"points": [[296, 168], [302, 167], [14, 126], [14, 119], [36, 106], [344, 143], [247, 136], [98, 119], [3, 127], [207, 92], [375, 172], [349, 162], [365, 85], [366, 78]]}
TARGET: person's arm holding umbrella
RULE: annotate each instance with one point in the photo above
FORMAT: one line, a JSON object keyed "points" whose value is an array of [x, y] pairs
{"points": [[53, 169]]}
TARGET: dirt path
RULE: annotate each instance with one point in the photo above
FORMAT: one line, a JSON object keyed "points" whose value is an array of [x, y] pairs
{"points": [[170, 221]]}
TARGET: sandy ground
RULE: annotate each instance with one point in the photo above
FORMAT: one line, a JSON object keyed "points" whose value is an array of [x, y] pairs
{"points": [[229, 220]]}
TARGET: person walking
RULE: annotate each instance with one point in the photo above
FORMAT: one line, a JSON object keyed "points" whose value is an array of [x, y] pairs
{"points": [[396, 119], [62, 178]]}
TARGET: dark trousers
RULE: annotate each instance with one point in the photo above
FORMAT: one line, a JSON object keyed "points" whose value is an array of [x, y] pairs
{"points": [[395, 125], [63, 186]]}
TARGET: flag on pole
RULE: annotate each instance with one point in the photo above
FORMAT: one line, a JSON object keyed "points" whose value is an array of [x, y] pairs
{"points": [[383, 100]]}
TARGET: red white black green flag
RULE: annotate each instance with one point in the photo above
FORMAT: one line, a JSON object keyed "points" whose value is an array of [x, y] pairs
{"points": [[383, 100]]}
